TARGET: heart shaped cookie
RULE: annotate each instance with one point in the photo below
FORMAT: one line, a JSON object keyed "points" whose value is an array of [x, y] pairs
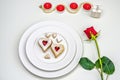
{"points": [[57, 49], [45, 43], [47, 56]]}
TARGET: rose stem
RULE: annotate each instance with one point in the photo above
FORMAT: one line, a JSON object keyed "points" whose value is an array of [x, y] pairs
{"points": [[100, 61]]}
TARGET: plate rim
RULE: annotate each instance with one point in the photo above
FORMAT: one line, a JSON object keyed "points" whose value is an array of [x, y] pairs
{"points": [[77, 57]]}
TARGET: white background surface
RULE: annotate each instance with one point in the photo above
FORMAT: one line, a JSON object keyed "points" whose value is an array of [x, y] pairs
{"points": [[17, 15]]}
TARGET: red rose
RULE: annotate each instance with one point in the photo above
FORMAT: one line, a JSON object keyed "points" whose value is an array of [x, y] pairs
{"points": [[90, 31]]}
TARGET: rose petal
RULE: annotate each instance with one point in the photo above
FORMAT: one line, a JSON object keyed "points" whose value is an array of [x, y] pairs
{"points": [[87, 33], [93, 31], [90, 30]]}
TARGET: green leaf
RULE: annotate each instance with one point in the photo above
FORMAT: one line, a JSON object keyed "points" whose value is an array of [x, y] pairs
{"points": [[107, 64], [86, 63]]}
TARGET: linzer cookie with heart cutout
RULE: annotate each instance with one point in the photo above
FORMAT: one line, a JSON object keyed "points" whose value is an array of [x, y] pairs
{"points": [[57, 49], [45, 43]]}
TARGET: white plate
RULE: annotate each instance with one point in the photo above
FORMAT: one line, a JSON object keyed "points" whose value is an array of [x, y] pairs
{"points": [[46, 74], [36, 55]]}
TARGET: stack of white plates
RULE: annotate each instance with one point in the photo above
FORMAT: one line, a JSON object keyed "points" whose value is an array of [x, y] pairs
{"points": [[32, 56]]}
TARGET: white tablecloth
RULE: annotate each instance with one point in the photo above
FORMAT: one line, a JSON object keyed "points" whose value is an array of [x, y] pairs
{"points": [[17, 15]]}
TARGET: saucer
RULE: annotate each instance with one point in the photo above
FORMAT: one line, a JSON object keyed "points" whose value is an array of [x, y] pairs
{"points": [[36, 55]]}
